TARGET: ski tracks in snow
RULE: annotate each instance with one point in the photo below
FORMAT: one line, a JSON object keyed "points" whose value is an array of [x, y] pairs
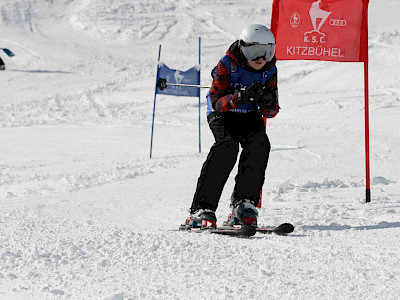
{"points": [[39, 178], [65, 258]]}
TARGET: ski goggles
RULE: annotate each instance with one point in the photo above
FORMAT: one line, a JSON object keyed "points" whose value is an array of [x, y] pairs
{"points": [[256, 51]]}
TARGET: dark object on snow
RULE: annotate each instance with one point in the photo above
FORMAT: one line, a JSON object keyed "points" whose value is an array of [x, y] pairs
{"points": [[8, 52], [2, 66]]}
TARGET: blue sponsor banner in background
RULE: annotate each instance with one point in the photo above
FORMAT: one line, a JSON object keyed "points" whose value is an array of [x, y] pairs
{"points": [[191, 76], [171, 76]]}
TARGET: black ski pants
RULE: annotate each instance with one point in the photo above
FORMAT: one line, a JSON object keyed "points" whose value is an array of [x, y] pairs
{"points": [[230, 130]]}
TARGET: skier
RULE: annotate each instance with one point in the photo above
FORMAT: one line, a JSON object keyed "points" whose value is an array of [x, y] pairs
{"points": [[244, 89]]}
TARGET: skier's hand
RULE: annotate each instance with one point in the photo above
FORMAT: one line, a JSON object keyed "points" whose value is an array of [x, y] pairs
{"points": [[269, 98], [253, 93]]}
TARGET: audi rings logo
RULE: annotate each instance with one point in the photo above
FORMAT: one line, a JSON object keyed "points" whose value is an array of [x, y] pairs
{"points": [[337, 22]]}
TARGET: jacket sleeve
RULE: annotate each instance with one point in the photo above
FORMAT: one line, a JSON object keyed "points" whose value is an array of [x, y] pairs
{"points": [[271, 84], [220, 95]]}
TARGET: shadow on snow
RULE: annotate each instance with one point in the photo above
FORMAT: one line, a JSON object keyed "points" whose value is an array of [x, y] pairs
{"points": [[41, 71], [335, 227]]}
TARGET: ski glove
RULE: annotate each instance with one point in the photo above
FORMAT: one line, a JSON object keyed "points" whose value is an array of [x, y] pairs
{"points": [[252, 93], [269, 98]]}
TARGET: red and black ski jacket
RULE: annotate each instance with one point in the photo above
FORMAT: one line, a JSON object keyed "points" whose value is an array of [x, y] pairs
{"points": [[221, 96]]}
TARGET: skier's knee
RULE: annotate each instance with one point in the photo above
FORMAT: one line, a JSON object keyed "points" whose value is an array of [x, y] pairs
{"points": [[261, 142], [230, 148]]}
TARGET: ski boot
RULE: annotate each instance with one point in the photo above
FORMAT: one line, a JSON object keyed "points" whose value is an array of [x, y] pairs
{"points": [[200, 219], [243, 213]]}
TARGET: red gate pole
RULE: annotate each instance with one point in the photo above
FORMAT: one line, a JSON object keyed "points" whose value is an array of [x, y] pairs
{"points": [[366, 108], [365, 58]]}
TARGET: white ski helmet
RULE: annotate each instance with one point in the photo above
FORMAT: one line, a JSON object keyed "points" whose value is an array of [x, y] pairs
{"points": [[257, 41]]}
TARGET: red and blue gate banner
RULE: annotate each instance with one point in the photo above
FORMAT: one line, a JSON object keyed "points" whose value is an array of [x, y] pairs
{"points": [[191, 76]]}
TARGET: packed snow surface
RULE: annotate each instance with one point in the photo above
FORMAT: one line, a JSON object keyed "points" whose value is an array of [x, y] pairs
{"points": [[84, 212]]}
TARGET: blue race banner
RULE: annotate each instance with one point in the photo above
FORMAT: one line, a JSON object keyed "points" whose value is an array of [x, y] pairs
{"points": [[191, 76]]}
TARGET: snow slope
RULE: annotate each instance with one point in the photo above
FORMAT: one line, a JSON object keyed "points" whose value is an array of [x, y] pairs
{"points": [[84, 212]]}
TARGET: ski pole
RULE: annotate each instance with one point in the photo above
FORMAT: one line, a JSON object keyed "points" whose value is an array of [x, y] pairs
{"points": [[162, 84]]}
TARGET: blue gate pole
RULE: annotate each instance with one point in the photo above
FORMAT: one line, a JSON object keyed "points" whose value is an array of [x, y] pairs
{"points": [[154, 106], [199, 95]]}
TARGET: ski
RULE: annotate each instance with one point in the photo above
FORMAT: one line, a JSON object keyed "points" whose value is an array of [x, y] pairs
{"points": [[282, 229], [243, 231], [8, 52]]}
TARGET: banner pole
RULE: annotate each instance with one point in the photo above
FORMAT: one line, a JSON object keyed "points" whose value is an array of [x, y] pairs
{"points": [[367, 170], [199, 95], [154, 106], [364, 57]]}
